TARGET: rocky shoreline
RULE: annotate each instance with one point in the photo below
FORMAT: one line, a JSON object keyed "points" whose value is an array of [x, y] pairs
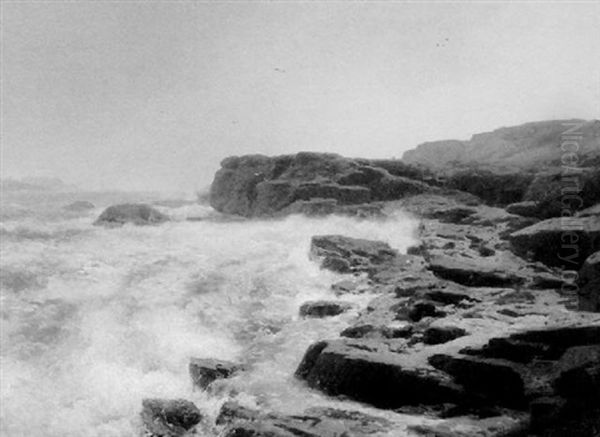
{"points": [[490, 326]]}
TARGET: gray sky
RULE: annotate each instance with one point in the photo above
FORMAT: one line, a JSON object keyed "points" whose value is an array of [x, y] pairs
{"points": [[152, 95]]}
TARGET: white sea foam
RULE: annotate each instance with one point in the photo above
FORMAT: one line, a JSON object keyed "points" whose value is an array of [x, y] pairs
{"points": [[94, 320]]}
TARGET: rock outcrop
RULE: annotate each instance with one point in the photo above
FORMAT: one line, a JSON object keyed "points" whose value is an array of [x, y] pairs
{"points": [[138, 214], [257, 185], [564, 242], [531, 145], [460, 327]]}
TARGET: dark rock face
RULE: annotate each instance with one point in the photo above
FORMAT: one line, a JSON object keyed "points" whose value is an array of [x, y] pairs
{"points": [[442, 334], [323, 308], [565, 242], [589, 284], [492, 187], [139, 214], [357, 369], [204, 371], [79, 205], [169, 417], [257, 185], [529, 367]]}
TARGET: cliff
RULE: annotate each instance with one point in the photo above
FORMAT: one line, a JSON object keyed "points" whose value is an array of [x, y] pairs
{"points": [[531, 146]]}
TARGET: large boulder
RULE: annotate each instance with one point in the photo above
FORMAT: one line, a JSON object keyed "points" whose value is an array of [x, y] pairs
{"points": [[257, 185], [563, 242], [169, 417], [136, 213], [589, 284], [360, 370]]}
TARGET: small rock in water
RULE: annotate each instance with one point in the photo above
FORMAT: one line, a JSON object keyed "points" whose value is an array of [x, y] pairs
{"points": [[139, 214], [323, 308], [169, 417], [204, 371]]}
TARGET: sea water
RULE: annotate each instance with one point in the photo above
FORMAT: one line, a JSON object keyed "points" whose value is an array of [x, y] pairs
{"points": [[94, 319]]}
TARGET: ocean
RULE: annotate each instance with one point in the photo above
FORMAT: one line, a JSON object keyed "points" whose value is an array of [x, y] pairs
{"points": [[96, 319]]}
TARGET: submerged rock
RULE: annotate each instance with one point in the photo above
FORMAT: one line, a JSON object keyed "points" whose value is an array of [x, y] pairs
{"points": [[204, 371], [323, 308], [169, 417], [589, 284], [136, 213]]}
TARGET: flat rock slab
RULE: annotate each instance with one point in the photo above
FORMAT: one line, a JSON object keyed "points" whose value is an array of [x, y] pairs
{"points": [[474, 273], [314, 422]]}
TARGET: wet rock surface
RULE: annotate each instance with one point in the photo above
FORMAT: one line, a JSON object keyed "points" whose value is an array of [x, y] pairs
{"points": [[204, 371], [489, 333], [240, 421], [474, 327], [169, 417], [323, 308], [138, 214]]}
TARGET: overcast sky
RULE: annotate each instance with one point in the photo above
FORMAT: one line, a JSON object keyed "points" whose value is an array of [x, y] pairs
{"points": [[152, 95]]}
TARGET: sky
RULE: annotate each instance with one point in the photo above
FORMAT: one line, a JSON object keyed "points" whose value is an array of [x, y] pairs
{"points": [[152, 95]]}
